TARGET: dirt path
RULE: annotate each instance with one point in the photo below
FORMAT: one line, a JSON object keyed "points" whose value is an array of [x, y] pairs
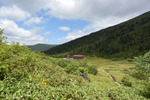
{"points": [[113, 78]]}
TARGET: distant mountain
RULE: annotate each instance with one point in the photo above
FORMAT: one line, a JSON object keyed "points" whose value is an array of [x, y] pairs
{"points": [[127, 39], [41, 47]]}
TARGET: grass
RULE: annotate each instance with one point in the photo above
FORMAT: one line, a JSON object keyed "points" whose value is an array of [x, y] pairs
{"points": [[115, 68]]}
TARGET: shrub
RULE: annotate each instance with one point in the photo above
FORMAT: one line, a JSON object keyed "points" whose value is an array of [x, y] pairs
{"points": [[148, 90], [3, 71], [63, 63], [123, 93], [5, 52], [71, 68], [142, 71], [92, 70], [83, 64], [130, 60], [126, 81], [142, 66], [2, 38], [83, 70]]}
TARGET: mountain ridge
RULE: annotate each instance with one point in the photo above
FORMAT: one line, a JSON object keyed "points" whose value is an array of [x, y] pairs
{"points": [[41, 46], [127, 39]]}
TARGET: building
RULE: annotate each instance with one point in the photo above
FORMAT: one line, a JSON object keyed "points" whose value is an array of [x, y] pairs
{"points": [[76, 57]]}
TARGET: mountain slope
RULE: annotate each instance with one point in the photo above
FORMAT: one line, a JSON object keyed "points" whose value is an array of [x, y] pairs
{"points": [[127, 39], [41, 47]]}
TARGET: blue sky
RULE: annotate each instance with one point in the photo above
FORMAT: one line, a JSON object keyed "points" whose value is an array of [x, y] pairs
{"points": [[59, 21]]}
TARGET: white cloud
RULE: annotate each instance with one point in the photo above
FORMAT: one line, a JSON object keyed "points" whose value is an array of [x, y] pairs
{"points": [[101, 24], [64, 28], [17, 34], [100, 13], [36, 29], [98, 9], [92, 27], [33, 20], [83, 9], [47, 33], [92, 11], [31, 6], [13, 13], [73, 35]]}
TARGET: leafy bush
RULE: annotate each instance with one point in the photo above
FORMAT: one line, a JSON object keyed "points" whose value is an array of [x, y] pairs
{"points": [[142, 66], [123, 93], [83, 70], [71, 68], [3, 71], [146, 91], [142, 71], [63, 63], [2, 38], [74, 67], [92, 70], [126, 81], [83, 64]]}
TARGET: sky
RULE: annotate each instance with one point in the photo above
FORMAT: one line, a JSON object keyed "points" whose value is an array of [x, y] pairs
{"points": [[60, 21]]}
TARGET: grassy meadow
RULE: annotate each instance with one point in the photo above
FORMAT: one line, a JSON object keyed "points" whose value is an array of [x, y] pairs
{"points": [[115, 68], [120, 69]]}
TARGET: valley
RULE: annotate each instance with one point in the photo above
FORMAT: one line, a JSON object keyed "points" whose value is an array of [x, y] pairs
{"points": [[116, 66]]}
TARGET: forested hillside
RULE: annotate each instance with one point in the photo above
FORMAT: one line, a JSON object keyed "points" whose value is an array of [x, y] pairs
{"points": [[127, 39], [40, 47]]}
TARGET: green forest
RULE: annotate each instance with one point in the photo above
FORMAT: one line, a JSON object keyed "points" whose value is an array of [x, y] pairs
{"points": [[27, 75], [125, 40]]}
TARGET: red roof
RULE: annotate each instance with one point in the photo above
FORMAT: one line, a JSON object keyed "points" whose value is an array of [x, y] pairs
{"points": [[78, 55]]}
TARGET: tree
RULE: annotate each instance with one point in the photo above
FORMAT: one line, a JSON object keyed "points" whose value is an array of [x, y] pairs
{"points": [[2, 38]]}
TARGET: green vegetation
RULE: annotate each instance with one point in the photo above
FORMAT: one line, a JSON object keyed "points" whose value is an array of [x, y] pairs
{"points": [[92, 70], [33, 75], [143, 71], [143, 66], [125, 40], [125, 73], [126, 81], [40, 47], [76, 67]]}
